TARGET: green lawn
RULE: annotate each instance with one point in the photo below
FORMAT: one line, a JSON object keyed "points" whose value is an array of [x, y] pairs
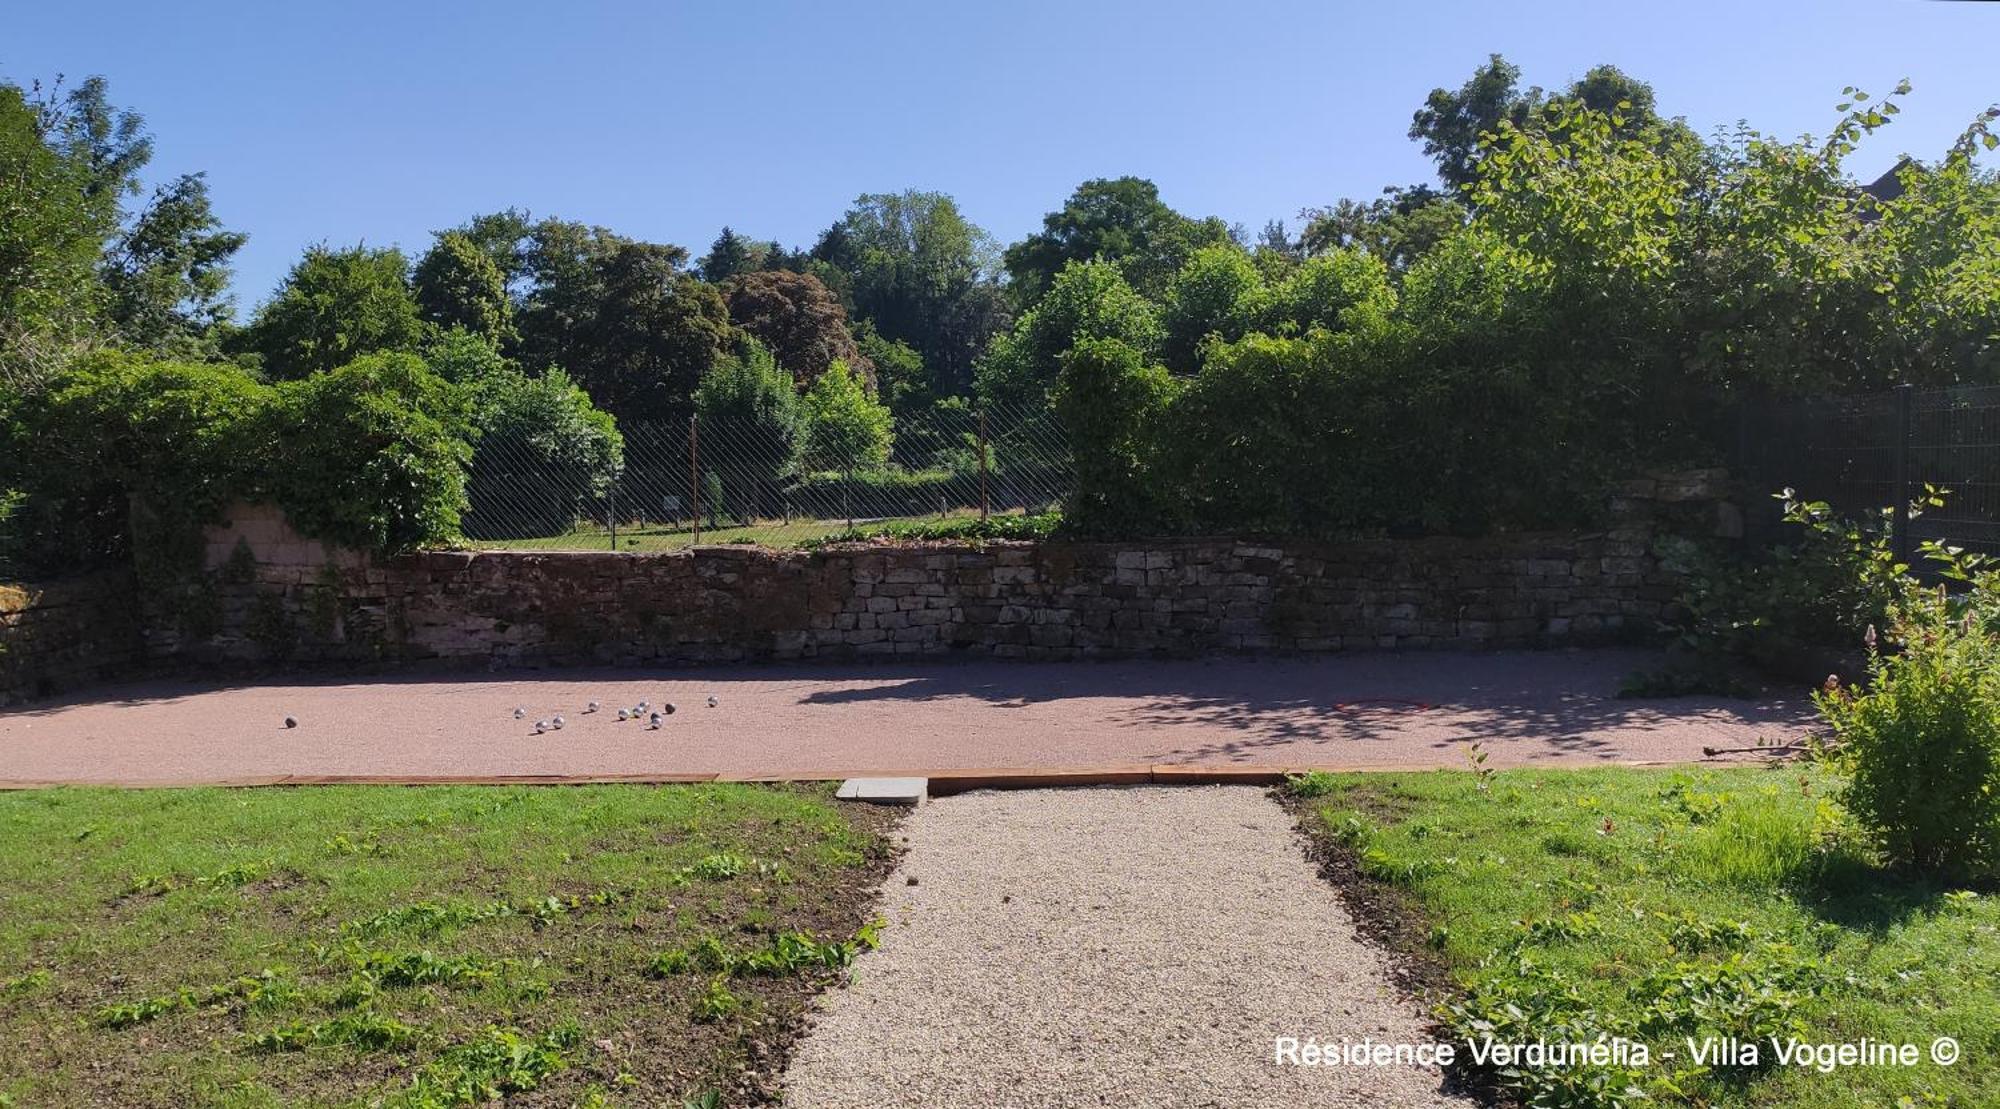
{"points": [[420, 946], [1664, 904], [963, 524]]}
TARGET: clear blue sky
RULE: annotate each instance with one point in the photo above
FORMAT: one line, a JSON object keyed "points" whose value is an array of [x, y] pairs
{"points": [[385, 121]]}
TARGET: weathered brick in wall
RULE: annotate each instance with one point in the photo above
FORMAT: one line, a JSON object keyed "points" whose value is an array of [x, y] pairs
{"points": [[292, 599], [62, 635]]}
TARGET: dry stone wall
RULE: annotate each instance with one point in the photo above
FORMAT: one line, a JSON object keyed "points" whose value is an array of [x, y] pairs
{"points": [[61, 635], [283, 598]]}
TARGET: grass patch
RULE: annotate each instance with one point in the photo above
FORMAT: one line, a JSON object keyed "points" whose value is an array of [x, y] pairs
{"points": [[806, 534], [419, 946], [1659, 906]]}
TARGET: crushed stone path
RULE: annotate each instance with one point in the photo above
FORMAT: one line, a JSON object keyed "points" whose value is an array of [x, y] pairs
{"points": [[1107, 947]]}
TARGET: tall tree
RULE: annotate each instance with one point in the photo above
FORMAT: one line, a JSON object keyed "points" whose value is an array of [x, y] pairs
{"points": [[1118, 220], [622, 317], [732, 254], [68, 159], [334, 307], [1452, 121], [168, 273], [922, 274], [457, 284], [798, 320]]}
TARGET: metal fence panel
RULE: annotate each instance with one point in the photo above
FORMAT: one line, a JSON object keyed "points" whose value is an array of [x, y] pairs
{"points": [[1864, 455], [687, 482]]}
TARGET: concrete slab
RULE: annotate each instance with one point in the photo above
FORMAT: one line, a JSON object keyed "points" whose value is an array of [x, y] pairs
{"points": [[885, 791]]}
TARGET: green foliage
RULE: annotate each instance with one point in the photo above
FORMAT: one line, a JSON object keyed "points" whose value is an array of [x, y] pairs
{"points": [[123, 457], [334, 307], [543, 450], [1796, 608], [951, 529], [845, 429], [372, 455], [503, 1061], [1089, 300], [1111, 402], [1220, 293], [1119, 221], [621, 317], [748, 404], [167, 275], [920, 273], [458, 285], [67, 159], [1921, 739]]}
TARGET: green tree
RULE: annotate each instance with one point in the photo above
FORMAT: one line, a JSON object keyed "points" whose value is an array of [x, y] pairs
{"points": [[168, 273], [638, 333], [732, 255], [1397, 227], [750, 414], [334, 307], [1220, 292], [900, 377], [543, 453], [1453, 123], [1089, 300], [922, 274], [57, 210], [1121, 221], [1337, 291], [458, 285], [845, 428]]}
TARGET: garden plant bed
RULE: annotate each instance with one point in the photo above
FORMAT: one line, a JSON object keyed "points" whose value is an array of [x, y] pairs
{"points": [[422, 946], [1663, 904]]}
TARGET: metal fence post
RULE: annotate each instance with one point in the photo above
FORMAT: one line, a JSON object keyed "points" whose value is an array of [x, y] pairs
{"points": [[1901, 509], [694, 475], [611, 513], [984, 504]]}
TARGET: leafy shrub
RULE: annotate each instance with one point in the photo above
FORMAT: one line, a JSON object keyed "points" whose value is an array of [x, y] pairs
{"points": [[543, 452], [123, 456], [1110, 401], [1789, 608], [372, 455], [845, 428], [1921, 739]]}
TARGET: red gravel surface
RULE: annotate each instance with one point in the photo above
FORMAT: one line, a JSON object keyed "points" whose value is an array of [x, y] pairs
{"points": [[1368, 711]]}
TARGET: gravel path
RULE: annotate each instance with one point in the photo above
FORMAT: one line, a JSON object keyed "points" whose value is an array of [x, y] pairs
{"points": [[1137, 947], [1531, 709]]}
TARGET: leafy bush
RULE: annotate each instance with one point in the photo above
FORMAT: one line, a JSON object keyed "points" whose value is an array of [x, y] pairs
{"points": [[1787, 608], [1921, 740], [845, 428], [749, 406], [122, 457], [1110, 401], [543, 451], [372, 455]]}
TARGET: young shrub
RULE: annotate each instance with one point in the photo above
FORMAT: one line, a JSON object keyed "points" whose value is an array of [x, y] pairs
{"points": [[845, 428], [1921, 741], [372, 455]]}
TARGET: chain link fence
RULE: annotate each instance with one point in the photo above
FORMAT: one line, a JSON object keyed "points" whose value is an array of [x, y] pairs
{"points": [[677, 484], [1866, 454]]}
